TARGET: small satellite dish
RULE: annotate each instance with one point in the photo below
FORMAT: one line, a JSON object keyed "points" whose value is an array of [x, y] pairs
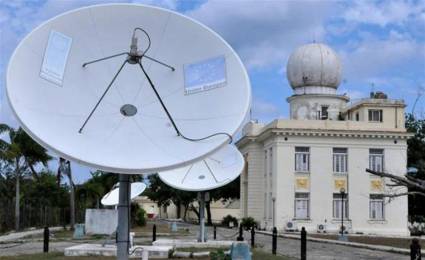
{"points": [[111, 198], [128, 88], [214, 171]]}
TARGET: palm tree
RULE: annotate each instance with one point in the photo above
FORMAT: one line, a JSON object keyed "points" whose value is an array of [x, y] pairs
{"points": [[65, 168], [23, 154]]}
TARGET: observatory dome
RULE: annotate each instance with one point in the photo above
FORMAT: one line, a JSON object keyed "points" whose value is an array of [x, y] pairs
{"points": [[314, 65]]}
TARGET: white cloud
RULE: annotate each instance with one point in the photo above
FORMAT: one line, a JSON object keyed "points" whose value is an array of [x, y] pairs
{"points": [[384, 12], [372, 57], [264, 33], [264, 111]]}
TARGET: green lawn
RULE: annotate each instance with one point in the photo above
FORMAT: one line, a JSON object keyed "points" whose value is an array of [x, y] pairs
{"points": [[377, 240]]}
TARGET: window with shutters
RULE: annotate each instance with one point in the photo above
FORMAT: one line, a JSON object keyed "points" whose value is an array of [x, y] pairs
{"points": [[340, 160], [302, 159], [376, 160], [375, 115], [340, 205], [376, 207], [302, 205]]}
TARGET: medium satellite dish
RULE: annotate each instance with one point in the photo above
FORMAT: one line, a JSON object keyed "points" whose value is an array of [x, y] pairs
{"points": [[128, 88], [214, 171], [111, 198]]}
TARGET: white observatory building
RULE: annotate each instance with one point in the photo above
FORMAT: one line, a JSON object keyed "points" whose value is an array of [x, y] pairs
{"points": [[297, 168]]}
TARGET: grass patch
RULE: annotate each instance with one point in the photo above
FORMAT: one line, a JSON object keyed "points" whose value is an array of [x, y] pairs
{"points": [[382, 241], [163, 228], [200, 249], [258, 254]]}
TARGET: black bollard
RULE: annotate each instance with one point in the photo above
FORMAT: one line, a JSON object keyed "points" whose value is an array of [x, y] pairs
{"points": [[154, 233], [415, 250], [252, 237], [240, 237], [46, 240], [303, 244], [274, 240], [215, 232]]}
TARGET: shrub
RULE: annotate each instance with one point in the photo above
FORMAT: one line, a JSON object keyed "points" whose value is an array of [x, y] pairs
{"points": [[141, 217], [229, 219], [248, 223], [219, 255]]}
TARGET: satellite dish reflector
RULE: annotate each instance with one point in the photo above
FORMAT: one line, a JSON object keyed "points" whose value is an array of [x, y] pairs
{"points": [[128, 88], [214, 171], [111, 198]]}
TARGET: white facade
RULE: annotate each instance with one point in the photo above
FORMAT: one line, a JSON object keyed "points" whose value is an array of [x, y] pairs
{"points": [[296, 168]]}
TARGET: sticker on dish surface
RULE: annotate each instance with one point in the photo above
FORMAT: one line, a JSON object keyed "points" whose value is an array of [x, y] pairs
{"points": [[55, 57], [205, 75]]}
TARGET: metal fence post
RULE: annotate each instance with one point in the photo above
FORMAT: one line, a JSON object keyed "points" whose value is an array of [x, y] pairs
{"points": [[154, 233], [303, 244], [215, 232], [46, 240], [415, 250], [252, 237], [274, 240], [240, 237]]}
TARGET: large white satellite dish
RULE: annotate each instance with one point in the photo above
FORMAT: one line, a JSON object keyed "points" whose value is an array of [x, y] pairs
{"points": [[106, 114], [111, 198], [214, 171]]}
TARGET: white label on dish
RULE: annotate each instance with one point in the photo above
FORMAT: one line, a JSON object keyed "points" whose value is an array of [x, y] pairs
{"points": [[205, 75], [55, 57]]}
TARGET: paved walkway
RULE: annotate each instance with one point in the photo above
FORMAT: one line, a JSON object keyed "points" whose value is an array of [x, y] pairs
{"points": [[285, 246], [19, 235], [315, 250]]}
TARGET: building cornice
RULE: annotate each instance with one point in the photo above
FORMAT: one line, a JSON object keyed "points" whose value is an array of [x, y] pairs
{"points": [[270, 132]]}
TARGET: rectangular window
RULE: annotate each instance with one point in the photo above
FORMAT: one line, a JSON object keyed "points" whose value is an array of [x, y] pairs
{"points": [[302, 205], [324, 112], [376, 207], [375, 115], [340, 160], [376, 160], [302, 159], [339, 205]]}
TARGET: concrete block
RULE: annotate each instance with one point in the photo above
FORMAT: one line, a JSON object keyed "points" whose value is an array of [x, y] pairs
{"points": [[101, 221]]}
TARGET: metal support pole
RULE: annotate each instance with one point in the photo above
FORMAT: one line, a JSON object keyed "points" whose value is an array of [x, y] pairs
{"points": [[240, 237], [252, 237], [342, 237], [46, 240], [215, 232], [342, 213], [303, 244], [415, 250], [123, 217], [202, 217], [154, 233], [274, 240]]}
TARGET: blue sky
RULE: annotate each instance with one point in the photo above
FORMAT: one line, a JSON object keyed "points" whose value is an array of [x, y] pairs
{"points": [[381, 43]]}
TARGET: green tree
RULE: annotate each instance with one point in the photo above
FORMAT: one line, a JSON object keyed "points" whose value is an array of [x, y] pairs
{"points": [[416, 159], [414, 181], [163, 195], [64, 168], [227, 192], [23, 154]]}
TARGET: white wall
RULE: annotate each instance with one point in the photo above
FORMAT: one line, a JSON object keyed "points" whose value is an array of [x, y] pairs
{"points": [[322, 182]]}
